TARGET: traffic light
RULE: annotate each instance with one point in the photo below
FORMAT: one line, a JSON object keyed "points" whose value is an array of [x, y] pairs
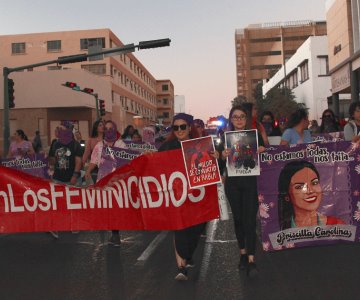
{"points": [[102, 107], [70, 84], [88, 90], [11, 93]]}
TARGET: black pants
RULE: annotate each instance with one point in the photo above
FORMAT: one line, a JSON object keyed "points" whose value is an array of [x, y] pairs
{"points": [[242, 195], [187, 239]]}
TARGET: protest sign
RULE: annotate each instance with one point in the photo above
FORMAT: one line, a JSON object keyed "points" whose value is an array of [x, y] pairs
{"points": [[113, 158], [243, 159], [201, 167], [309, 194], [36, 165], [146, 194]]}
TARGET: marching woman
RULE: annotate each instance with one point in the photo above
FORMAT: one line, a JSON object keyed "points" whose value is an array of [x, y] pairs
{"points": [[297, 129], [241, 192], [110, 140], [185, 240], [97, 135]]}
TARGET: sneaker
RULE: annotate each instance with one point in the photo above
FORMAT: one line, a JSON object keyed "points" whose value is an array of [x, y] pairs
{"points": [[182, 274], [55, 234], [251, 270], [115, 240], [243, 263], [190, 263]]}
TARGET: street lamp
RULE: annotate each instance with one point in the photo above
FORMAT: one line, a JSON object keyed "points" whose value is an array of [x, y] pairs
{"points": [[67, 60]]}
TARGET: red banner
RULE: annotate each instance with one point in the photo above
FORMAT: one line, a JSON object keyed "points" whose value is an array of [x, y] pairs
{"points": [[150, 193]]}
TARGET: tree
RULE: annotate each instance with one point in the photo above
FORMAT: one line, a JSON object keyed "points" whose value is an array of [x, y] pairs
{"points": [[258, 95], [238, 101], [280, 101]]}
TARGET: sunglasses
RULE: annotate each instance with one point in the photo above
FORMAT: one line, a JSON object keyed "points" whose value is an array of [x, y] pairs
{"points": [[177, 127], [327, 116]]}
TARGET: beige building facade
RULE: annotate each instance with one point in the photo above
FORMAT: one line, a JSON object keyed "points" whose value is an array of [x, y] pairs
{"points": [[41, 100], [343, 21], [262, 49], [165, 101]]}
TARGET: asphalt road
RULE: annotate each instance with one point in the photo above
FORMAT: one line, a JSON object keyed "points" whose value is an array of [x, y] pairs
{"points": [[83, 266]]}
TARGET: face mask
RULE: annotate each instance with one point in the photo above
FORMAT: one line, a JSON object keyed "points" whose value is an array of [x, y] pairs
{"points": [[268, 127], [110, 135], [65, 136]]}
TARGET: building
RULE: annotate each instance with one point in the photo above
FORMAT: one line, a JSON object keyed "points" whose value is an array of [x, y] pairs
{"points": [[343, 21], [165, 101], [179, 106], [306, 74], [261, 50], [128, 88]]}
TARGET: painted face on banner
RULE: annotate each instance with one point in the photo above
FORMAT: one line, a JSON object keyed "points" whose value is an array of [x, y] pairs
{"points": [[305, 191], [181, 130], [238, 119]]}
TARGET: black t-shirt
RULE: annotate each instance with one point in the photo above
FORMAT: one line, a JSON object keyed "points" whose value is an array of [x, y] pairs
{"points": [[64, 159]]}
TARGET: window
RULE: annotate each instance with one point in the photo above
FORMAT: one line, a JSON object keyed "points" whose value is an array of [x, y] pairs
{"points": [[265, 53], [304, 71], [166, 115], [265, 67], [165, 87], [18, 48], [54, 46], [265, 40], [86, 43], [323, 65], [165, 101], [98, 69]]}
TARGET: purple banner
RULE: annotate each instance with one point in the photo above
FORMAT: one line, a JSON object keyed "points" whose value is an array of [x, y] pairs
{"points": [[113, 158], [309, 194], [36, 165], [329, 137], [140, 146]]}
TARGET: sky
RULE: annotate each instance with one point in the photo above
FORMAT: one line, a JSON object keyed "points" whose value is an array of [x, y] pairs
{"points": [[200, 61]]}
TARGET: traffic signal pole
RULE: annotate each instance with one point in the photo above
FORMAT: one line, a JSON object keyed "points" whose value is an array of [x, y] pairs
{"points": [[6, 127], [67, 60]]}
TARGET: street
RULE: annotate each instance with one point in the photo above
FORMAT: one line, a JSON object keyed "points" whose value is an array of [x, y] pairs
{"points": [[83, 266]]}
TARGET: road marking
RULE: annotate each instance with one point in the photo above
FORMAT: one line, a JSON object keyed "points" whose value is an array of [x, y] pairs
{"points": [[222, 241], [210, 234], [151, 248]]}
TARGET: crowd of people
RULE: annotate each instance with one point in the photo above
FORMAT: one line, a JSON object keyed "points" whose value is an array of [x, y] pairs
{"points": [[69, 154]]}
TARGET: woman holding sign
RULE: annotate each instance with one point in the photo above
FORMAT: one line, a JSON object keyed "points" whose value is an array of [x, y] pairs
{"points": [[185, 240], [242, 195], [300, 195]]}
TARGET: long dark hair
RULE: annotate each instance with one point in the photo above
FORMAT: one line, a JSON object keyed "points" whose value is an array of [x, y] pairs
{"points": [[248, 106], [126, 132], [22, 134], [296, 117], [334, 126], [237, 107], [352, 109], [285, 207], [94, 131]]}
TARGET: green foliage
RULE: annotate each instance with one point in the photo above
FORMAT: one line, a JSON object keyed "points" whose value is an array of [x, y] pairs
{"points": [[238, 101], [280, 101]]}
